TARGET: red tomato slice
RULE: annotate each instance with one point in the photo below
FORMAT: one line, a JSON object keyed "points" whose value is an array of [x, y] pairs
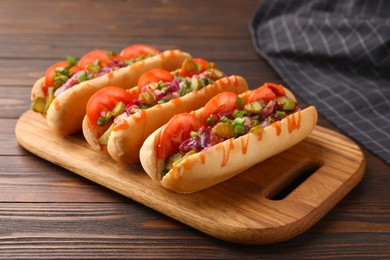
{"points": [[50, 72], [137, 50], [94, 55], [266, 92], [176, 131], [154, 75], [223, 102], [75, 69], [105, 100]]}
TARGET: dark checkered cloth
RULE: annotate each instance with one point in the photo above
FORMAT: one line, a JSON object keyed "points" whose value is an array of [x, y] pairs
{"points": [[336, 56]]}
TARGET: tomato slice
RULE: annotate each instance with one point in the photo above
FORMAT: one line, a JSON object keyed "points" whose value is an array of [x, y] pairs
{"points": [[105, 100], [75, 69], [176, 131], [266, 92], [154, 75], [103, 56], [137, 50], [219, 104]]}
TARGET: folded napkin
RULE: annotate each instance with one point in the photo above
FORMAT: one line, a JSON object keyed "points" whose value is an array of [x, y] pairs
{"points": [[336, 56]]}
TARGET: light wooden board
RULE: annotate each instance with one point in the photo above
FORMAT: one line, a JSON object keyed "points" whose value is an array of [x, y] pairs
{"points": [[248, 208]]}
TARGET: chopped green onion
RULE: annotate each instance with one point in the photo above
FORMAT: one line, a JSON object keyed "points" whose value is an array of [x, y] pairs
{"points": [[289, 105], [82, 77], [94, 68], [62, 71], [161, 85], [104, 119], [71, 61], [240, 102], [239, 113], [118, 109], [238, 125], [280, 114], [111, 53], [239, 129], [226, 120]]}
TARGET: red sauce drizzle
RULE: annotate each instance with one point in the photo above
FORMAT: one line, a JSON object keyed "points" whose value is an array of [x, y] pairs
{"points": [[235, 81], [137, 65], [221, 83], [121, 125], [172, 172], [110, 75], [176, 101], [139, 116], [292, 123], [158, 106], [202, 157], [277, 125], [244, 144], [259, 136], [187, 164], [226, 154], [299, 120]]}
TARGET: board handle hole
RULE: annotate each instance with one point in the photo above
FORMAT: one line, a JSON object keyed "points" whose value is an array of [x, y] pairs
{"points": [[293, 179]]}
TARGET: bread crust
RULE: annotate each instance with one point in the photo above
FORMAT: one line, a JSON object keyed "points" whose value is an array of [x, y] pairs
{"points": [[66, 112], [229, 158], [124, 143]]}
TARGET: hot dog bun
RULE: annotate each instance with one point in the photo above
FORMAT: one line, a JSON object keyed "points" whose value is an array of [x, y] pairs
{"points": [[66, 112], [127, 138], [227, 159], [125, 142]]}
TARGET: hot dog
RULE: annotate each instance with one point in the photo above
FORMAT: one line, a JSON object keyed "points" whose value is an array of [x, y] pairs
{"points": [[62, 94], [120, 120], [230, 134]]}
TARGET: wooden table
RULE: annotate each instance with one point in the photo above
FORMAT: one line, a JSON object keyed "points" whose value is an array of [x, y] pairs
{"points": [[47, 211]]}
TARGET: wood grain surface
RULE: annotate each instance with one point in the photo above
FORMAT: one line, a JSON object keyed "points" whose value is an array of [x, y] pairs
{"points": [[258, 206], [47, 211]]}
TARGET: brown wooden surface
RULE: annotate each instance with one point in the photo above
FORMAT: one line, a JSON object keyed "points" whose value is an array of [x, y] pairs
{"points": [[47, 211]]}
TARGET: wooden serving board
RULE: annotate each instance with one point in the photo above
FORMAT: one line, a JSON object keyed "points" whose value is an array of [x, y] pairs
{"points": [[261, 205]]}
